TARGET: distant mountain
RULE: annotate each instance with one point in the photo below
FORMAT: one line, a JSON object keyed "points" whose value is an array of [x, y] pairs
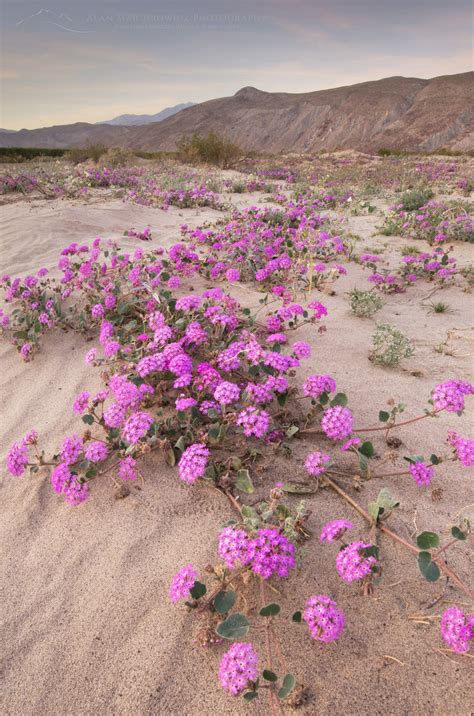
{"points": [[8, 130], [396, 112], [134, 120]]}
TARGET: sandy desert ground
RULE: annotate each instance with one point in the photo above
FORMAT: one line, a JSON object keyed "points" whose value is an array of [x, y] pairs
{"points": [[87, 627]]}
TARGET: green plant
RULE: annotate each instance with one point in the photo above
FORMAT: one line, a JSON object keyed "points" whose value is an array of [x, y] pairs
{"points": [[415, 199], [212, 149], [410, 250], [117, 157], [77, 155], [364, 303], [439, 307], [390, 345]]}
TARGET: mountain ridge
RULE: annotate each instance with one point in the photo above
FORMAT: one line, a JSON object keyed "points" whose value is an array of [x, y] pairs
{"points": [[396, 112], [133, 120]]}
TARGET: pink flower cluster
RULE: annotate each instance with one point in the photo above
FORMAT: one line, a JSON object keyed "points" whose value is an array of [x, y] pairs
{"points": [[337, 422], [351, 564], [238, 668], [450, 395], [316, 463], [255, 422], [324, 619], [193, 463], [457, 629], [421, 472], [182, 582], [334, 530], [268, 553], [315, 385]]}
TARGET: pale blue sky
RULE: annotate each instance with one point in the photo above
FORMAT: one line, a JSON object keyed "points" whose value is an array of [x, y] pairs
{"points": [[80, 60]]}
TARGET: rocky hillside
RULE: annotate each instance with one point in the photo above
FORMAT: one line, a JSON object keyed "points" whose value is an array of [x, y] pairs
{"points": [[396, 112]]}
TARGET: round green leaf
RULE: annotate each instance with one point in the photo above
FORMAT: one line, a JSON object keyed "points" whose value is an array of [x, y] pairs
{"points": [[367, 449], [458, 534], [250, 695], [339, 399], [198, 590], [270, 610], [297, 617], [269, 675], [224, 602], [243, 482], [234, 627], [427, 567], [289, 683], [427, 540]]}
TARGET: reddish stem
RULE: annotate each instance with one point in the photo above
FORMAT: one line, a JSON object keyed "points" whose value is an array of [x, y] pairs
{"points": [[396, 425], [442, 565]]}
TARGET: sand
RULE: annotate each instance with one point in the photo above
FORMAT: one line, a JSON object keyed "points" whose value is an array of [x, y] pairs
{"points": [[87, 627]]}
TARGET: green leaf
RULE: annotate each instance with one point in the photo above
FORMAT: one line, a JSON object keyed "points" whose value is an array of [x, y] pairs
{"points": [[292, 430], [372, 551], [427, 567], [250, 695], [198, 590], [427, 540], [224, 602], [434, 459], [269, 675], [383, 505], [374, 510], [249, 512], [298, 488], [367, 449], [384, 416], [89, 419], [458, 534], [243, 482], [270, 610], [180, 444], [289, 683], [235, 626], [339, 399], [297, 617]]}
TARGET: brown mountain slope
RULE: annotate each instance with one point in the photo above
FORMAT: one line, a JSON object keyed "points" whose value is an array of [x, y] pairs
{"points": [[396, 112]]}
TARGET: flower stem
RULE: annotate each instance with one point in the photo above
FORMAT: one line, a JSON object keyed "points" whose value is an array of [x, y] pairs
{"points": [[442, 565]]}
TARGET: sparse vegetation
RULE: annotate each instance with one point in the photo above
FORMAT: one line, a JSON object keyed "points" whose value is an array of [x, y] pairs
{"points": [[211, 149], [439, 307], [364, 303], [415, 199], [77, 155], [23, 154], [390, 345]]}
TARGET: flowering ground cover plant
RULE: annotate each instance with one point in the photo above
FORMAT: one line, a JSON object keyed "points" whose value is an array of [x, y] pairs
{"points": [[271, 247], [436, 222], [215, 388], [438, 266], [212, 386]]}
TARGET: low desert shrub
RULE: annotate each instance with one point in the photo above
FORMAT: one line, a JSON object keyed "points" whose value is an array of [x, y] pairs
{"points": [[211, 149], [390, 345], [77, 155], [364, 303], [415, 199], [117, 157]]}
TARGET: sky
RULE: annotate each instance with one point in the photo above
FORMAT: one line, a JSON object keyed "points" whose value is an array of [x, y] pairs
{"points": [[87, 61]]}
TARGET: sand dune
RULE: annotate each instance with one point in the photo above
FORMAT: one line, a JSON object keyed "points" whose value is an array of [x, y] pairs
{"points": [[87, 627]]}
